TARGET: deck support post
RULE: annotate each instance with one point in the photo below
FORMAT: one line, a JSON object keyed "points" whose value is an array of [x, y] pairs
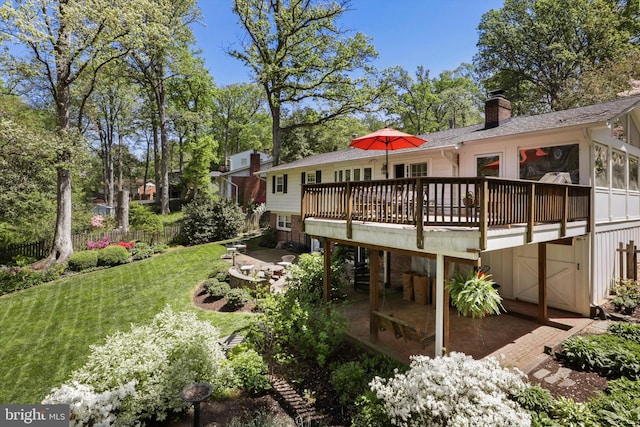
{"points": [[374, 295], [326, 274], [542, 283], [439, 342]]}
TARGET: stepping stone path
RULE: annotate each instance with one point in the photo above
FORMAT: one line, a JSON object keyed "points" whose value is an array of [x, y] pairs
{"points": [[561, 377]]}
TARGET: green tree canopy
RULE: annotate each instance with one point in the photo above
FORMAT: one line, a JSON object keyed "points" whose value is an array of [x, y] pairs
{"points": [[535, 50], [300, 56]]}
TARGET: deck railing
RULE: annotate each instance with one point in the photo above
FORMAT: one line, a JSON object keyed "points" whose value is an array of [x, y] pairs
{"points": [[454, 202]]}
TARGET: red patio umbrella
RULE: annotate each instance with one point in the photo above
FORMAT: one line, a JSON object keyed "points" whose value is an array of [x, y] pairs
{"points": [[387, 139]]}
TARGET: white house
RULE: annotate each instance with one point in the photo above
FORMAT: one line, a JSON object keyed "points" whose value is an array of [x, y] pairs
{"points": [[550, 198]]}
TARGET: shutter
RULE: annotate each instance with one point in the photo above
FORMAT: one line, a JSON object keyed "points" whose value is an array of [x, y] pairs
{"points": [[318, 177], [303, 178], [284, 184], [273, 184]]}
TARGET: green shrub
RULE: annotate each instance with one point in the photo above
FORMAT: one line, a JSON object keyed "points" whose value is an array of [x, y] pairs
{"points": [[311, 330], [625, 330], [83, 260], [141, 250], [535, 399], [607, 354], [250, 371], [215, 288], [349, 380], [268, 239], [160, 249], [158, 359], [17, 278], [143, 219], [370, 412], [306, 277], [112, 255], [207, 220], [236, 298], [220, 273]]}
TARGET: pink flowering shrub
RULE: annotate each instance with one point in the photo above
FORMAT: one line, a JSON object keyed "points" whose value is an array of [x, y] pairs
{"points": [[97, 221], [99, 244]]}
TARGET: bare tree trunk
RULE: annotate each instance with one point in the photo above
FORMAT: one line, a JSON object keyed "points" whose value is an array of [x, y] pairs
{"points": [[62, 248], [120, 162], [123, 211], [156, 159]]}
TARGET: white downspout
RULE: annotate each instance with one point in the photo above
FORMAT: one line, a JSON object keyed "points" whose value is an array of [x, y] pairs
{"points": [[592, 225]]}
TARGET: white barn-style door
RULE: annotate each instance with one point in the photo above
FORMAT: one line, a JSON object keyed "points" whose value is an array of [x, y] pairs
{"points": [[566, 287]]}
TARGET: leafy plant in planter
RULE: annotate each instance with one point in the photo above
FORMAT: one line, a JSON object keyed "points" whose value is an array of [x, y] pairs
{"points": [[629, 305], [474, 294]]}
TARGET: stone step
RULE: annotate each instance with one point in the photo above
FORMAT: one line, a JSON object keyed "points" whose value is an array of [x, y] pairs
{"points": [[291, 401]]}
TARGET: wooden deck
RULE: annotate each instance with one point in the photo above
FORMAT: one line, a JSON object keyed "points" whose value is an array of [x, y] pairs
{"points": [[476, 203]]}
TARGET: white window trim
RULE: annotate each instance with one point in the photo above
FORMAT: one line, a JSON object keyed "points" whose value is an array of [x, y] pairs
{"points": [[278, 222], [500, 156], [410, 165]]}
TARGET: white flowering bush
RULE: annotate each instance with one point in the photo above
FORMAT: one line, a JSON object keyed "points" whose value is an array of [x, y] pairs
{"points": [[161, 358], [453, 390], [86, 407]]}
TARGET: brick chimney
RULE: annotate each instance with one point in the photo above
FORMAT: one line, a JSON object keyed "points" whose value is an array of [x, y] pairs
{"points": [[254, 162], [497, 110]]}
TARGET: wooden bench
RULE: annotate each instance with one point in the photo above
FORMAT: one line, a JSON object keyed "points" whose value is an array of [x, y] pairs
{"points": [[402, 329]]}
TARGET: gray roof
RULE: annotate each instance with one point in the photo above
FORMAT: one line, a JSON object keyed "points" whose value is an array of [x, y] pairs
{"points": [[581, 116]]}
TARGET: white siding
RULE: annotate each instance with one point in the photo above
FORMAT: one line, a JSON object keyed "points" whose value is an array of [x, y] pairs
{"points": [[605, 257]]}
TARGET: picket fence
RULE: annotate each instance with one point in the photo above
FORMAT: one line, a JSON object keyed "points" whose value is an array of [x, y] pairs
{"points": [[41, 249]]}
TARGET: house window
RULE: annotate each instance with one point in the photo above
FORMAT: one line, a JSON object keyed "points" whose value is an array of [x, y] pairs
{"points": [[283, 222], [356, 174], [633, 174], [554, 164], [418, 169], [279, 184], [488, 165], [347, 175], [602, 166], [367, 174], [311, 178], [243, 162], [618, 172]]}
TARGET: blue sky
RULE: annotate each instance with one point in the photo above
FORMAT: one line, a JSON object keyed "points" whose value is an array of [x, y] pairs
{"points": [[437, 34]]}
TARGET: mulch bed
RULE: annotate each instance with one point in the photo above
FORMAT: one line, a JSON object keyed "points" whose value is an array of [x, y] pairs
{"points": [[202, 300]]}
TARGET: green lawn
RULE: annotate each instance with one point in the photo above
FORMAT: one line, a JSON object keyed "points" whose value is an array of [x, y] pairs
{"points": [[46, 331]]}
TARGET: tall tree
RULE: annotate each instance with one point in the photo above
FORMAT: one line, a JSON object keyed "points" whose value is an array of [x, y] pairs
{"points": [[64, 41], [240, 119], [531, 48], [167, 34], [424, 104], [191, 101], [299, 55]]}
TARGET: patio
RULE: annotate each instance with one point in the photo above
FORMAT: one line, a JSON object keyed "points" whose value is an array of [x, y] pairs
{"points": [[514, 339]]}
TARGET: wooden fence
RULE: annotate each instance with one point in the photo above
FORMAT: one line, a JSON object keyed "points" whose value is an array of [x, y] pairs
{"points": [[41, 249]]}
